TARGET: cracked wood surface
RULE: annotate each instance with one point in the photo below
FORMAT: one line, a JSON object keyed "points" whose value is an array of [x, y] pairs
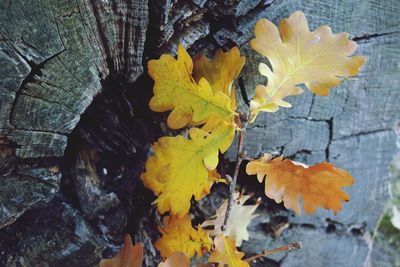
{"points": [[54, 55]]}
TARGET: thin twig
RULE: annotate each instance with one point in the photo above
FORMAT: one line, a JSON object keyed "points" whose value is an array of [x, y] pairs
{"points": [[296, 245], [229, 178], [239, 158]]}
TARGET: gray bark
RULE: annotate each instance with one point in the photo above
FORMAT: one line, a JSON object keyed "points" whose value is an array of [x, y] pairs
{"points": [[75, 128]]}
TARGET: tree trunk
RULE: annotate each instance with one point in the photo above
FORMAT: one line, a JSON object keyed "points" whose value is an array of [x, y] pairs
{"points": [[75, 128]]}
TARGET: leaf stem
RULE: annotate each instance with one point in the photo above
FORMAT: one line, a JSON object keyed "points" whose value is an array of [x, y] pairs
{"points": [[244, 118], [296, 245]]}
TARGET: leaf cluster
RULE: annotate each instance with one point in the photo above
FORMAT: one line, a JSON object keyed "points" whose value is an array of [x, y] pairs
{"points": [[199, 95]]}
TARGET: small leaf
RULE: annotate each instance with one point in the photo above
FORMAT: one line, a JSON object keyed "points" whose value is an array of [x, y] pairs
{"points": [[221, 71], [177, 259], [129, 256], [175, 89], [319, 185], [225, 253], [179, 168], [318, 59], [178, 235], [239, 219]]}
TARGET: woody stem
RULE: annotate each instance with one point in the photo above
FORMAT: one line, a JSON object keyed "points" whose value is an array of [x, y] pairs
{"points": [[296, 245], [244, 118]]}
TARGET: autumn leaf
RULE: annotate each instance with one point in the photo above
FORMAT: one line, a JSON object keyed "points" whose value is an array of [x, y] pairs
{"points": [[240, 217], [318, 59], [225, 253], [175, 89], [179, 168], [221, 71], [177, 259], [178, 235], [319, 185], [129, 256]]}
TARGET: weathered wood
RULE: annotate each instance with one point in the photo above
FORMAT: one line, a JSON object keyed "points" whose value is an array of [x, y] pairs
{"points": [[76, 66], [52, 235], [54, 55]]}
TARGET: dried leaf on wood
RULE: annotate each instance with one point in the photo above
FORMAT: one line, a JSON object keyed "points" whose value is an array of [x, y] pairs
{"points": [[318, 59], [177, 259], [179, 167], [225, 253], [221, 71], [240, 217], [175, 89], [319, 185], [178, 235]]}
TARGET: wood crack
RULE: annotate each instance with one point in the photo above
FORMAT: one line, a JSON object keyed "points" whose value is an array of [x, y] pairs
{"points": [[367, 37], [364, 133], [330, 129], [35, 70]]}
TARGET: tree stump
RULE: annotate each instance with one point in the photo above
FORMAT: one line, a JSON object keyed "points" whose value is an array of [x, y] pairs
{"points": [[75, 129]]}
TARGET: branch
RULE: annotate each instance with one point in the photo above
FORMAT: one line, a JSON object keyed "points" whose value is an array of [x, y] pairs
{"points": [[296, 245], [244, 118]]}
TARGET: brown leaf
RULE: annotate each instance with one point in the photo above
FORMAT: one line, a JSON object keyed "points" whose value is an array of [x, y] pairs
{"points": [[319, 185], [177, 259]]}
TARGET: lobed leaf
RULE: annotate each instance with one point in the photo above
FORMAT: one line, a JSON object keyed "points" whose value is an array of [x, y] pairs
{"points": [[179, 168], [221, 71], [240, 217], [178, 235], [175, 89], [225, 253], [319, 185], [177, 259], [318, 59]]}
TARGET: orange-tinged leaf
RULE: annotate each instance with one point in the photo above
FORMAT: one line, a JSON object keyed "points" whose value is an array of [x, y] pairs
{"points": [[318, 59], [175, 89], [225, 253], [129, 256], [240, 217], [179, 167], [319, 185], [178, 235], [221, 71], [177, 259]]}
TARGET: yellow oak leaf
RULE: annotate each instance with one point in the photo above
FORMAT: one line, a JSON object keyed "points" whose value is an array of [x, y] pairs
{"points": [[129, 256], [225, 253], [179, 259], [175, 89], [179, 168], [221, 71], [318, 59], [240, 217], [178, 235], [319, 185]]}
